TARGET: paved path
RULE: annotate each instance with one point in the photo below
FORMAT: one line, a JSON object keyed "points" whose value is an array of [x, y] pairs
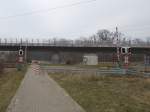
{"points": [[39, 93]]}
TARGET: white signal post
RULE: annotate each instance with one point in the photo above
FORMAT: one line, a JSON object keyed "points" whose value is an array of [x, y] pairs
{"points": [[20, 58], [126, 52], [118, 53]]}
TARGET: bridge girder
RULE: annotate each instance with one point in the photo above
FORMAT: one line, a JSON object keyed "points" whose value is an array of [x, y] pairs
{"points": [[134, 50]]}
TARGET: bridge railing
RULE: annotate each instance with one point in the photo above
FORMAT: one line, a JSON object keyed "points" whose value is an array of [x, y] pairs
{"points": [[61, 44], [70, 44]]}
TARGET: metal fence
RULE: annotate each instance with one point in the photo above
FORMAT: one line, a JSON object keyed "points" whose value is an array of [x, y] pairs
{"points": [[113, 71], [69, 44]]}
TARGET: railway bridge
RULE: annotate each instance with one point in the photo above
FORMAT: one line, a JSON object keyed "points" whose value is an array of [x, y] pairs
{"points": [[57, 51]]}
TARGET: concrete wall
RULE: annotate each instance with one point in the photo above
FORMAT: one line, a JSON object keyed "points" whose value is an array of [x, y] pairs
{"points": [[90, 59], [64, 57]]}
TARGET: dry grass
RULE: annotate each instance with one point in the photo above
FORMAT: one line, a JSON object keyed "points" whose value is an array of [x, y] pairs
{"points": [[107, 93], [9, 82]]}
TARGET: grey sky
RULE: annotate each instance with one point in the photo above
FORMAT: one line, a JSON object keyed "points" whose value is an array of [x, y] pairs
{"points": [[131, 16]]}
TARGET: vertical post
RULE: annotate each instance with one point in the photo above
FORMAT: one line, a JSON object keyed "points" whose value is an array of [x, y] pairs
{"points": [[21, 42], [20, 59], [126, 61], [118, 53], [26, 51]]}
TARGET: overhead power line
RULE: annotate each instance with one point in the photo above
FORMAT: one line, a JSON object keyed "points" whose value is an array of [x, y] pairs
{"points": [[48, 10], [131, 28]]}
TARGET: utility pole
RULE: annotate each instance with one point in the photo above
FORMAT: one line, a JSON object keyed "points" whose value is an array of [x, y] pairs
{"points": [[118, 53]]}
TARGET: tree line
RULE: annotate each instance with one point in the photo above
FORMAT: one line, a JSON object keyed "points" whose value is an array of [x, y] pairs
{"points": [[105, 37]]}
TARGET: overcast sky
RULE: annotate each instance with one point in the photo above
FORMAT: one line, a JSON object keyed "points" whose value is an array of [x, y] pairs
{"points": [[131, 16]]}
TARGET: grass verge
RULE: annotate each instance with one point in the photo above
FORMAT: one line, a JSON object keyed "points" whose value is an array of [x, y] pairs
{"points": [[9, 83], [107, 94]]}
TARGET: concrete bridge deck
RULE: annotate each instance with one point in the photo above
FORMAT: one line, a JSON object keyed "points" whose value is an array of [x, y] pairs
{"points": [[89, 48]]}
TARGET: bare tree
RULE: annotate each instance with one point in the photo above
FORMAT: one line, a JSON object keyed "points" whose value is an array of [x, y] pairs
{"points": [[138, 42], [104, 35]]}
